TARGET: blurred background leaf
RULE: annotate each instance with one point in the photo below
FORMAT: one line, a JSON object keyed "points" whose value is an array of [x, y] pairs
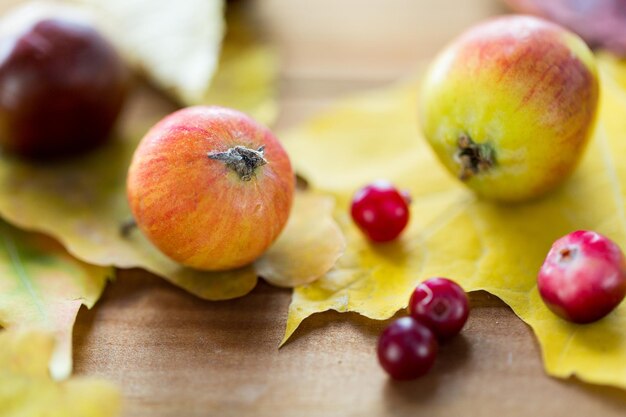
{"points": [[42, 287], [175, 44], [27, 390]]}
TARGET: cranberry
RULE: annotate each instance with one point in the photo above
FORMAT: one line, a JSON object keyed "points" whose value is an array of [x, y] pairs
{"points": [[583, 278], [407, 349], [440, 304], [380, 211]]}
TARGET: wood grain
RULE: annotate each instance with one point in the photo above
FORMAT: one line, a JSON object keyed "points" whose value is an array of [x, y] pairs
{"points": [[175, 355]]}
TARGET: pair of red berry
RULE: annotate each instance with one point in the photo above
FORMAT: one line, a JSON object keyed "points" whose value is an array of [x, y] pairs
{"points": [[438, 310]]}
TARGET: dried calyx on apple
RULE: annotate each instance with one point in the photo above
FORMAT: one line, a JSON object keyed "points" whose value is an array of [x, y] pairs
{"points": [[509, 106], [62, 84], [242, 160], [210, 187]]}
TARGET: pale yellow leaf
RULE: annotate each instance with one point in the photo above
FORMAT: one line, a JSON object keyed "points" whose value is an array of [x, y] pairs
{"points": [[175, 43], [247, 73], [26, 389], [42, 287], [307, 248], [178, 46]]}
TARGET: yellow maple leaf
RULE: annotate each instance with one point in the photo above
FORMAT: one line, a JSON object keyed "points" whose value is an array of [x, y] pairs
{"points": [[26, 388], [309, 246], [497, 248], [43, 287]]}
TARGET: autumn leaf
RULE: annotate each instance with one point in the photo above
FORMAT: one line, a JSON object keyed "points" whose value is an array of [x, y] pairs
{"points": [[246, 78], [176, 44], [42, 287], [483, 246], [309, 246], [26, 388], [614, 67]]}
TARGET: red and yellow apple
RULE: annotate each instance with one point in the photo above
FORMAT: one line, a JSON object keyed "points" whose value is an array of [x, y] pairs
{"points": [[210, 187], [509, 106]]}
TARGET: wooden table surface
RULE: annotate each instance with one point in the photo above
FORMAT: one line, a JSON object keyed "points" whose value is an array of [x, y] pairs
{"points": [[175, 355]]}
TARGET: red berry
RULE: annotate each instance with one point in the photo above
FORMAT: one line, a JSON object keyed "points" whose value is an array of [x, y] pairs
{"points": [[407, 349], [583, 278], [380, 211], [440, 304]]}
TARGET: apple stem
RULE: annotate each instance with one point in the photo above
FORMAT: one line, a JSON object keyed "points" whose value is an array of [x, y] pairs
{"points": [[473, 157], [244, 161]]}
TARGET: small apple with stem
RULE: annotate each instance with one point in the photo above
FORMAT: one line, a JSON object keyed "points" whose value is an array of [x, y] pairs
{"points": [[210, 187], [509, 106]]}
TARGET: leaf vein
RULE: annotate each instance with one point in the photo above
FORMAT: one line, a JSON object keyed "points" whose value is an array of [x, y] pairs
{"points": [[566, 348], [22, 275]]}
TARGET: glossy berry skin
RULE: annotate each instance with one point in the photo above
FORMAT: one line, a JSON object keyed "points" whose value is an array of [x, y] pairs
{"points": [[380, 211], [583, 278], [440, 304], [62, 86], [407, 349]]}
